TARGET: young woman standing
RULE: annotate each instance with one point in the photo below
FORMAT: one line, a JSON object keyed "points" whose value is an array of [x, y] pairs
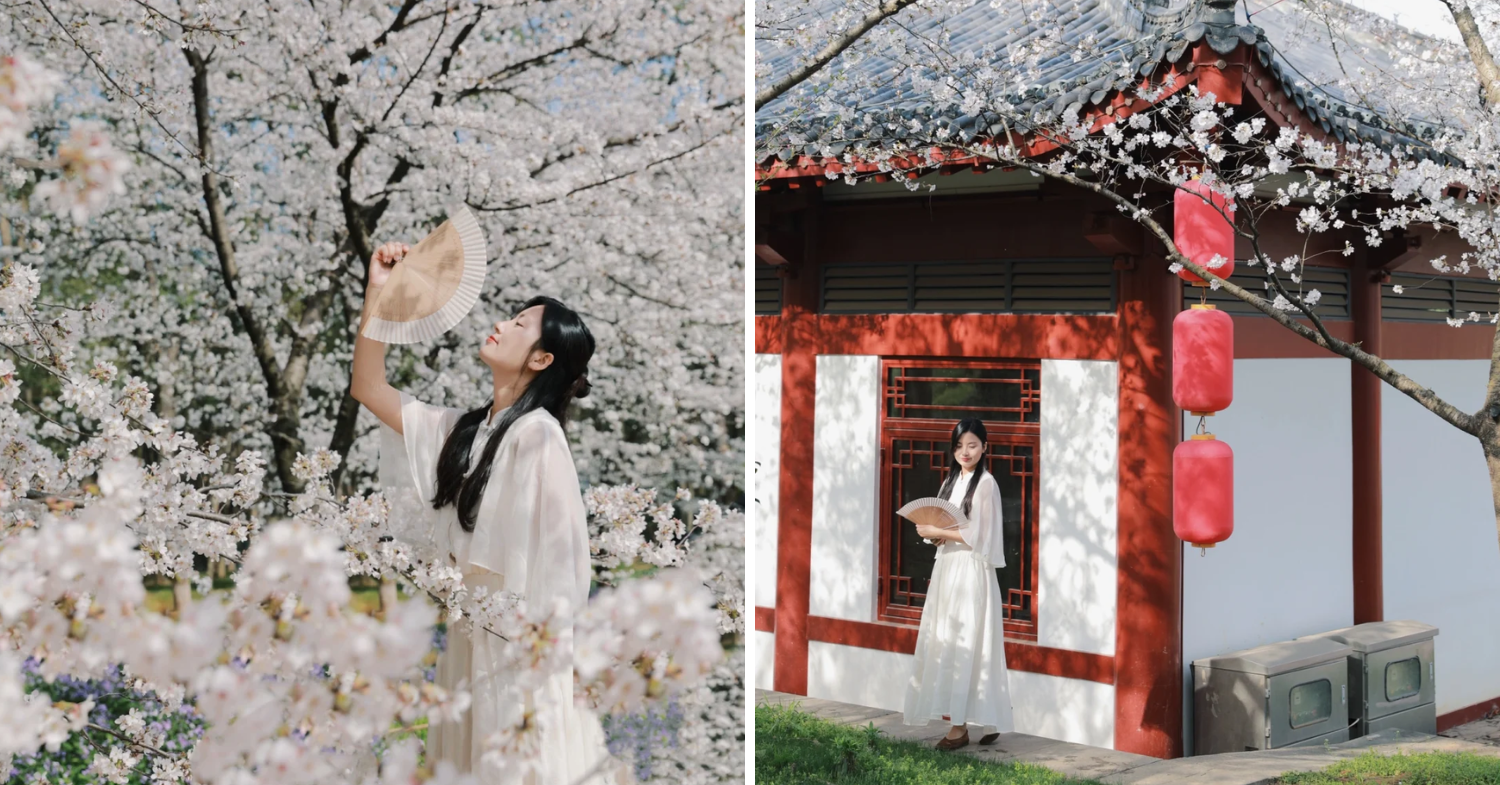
{"points": [[503, 499], [959, 671]]}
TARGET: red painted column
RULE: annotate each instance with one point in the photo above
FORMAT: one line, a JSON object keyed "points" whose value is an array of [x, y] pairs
{"points": [[1364, 393], [1148, 627], [799, 379]]}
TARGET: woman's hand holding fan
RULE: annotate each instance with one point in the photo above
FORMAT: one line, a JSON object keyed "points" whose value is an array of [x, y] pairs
{"points": [[932, 512], [384, 262], [432, 288]]}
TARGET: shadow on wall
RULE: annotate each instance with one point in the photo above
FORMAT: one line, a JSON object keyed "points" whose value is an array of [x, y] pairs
{"points": [[846, 466], [1080, 474], [765, 484]]}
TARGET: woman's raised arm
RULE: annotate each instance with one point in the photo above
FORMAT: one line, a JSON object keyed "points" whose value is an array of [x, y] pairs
{"points": [[367, 384]]}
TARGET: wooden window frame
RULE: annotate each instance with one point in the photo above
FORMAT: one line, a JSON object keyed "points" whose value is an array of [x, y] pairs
{"points": [[1017, 433]]}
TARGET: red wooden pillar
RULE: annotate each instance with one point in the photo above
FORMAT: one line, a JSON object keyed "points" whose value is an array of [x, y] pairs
{"points": [[1364, 393], [1148, 627], [799, 379]]}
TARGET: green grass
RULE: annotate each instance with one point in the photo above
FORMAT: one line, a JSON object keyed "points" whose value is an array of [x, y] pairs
{"points": [[1426, 768], [159, 599], [793, 747]]}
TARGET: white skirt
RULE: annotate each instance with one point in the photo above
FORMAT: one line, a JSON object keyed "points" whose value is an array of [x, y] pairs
{"points": [[959, 669], [571, 742]]}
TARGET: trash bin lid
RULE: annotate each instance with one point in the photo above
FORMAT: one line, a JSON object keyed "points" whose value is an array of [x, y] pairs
{"points": [[1381, 635], [1277, 658]]}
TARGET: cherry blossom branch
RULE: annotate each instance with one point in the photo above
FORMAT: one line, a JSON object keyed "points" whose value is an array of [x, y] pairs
{"points": [[153, 114], [832, 49], [185, 27], [1479, 51], [1427, 398], [132, 742], [604, 182]]}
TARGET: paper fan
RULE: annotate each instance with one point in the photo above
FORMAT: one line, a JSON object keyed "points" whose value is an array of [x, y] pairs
{"points": [[433, 288], [932, 511]]}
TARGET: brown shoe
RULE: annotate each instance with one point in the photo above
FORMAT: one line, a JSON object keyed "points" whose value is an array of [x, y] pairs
{"points": [[948, 745], [989, 738]]}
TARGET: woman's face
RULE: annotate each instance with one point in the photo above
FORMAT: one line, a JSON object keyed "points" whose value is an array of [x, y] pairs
{"points": [[970, 451], [509, 349]]}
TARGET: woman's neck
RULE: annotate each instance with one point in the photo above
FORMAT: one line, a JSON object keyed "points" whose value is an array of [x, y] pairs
{"points": [[507, 393]]}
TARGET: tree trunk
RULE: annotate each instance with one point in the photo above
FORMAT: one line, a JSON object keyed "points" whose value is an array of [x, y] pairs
{"points": [[1492, 460], [1479, 52], [387, 596], [182, 596]]}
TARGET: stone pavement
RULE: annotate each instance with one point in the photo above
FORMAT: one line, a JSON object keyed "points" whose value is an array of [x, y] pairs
{"points": [[1484, 731], [1124, 768]]}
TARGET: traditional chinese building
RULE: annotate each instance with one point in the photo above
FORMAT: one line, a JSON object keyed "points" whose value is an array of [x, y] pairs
{"points": [[883, 316]]}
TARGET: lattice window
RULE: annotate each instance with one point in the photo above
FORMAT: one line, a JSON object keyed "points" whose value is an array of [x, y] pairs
{"points": [[767, 290], [923, 401], [1012, 286], [1331, 282], [1426, 298]]}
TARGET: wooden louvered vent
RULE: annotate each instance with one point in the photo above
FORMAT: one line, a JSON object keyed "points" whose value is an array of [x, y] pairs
{"points": [[1331, 282], [1083, 286], [1425, 298], [767, 290]]}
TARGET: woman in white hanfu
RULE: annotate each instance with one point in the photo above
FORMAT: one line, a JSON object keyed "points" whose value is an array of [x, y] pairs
{"points": [[501, 498], [959, 671]]}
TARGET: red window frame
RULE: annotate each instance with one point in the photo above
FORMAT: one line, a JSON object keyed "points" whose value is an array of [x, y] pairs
{"points": [[1009, 432]]}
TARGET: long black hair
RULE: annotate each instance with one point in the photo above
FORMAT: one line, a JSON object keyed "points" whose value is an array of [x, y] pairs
{"points": [[571, 344], [955, 470]]}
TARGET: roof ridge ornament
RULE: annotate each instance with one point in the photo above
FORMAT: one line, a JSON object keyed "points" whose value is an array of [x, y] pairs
{"points": [[1218, 27]]}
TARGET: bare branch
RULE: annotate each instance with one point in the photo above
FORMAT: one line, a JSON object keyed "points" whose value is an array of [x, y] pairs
{"points": [[827, 53]]}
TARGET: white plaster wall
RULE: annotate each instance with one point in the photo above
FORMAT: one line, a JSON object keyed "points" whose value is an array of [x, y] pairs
{"points": [[1050, 706], [846, 475], [1441, 558], [864, 677], [1076, 543], [1082, 712], [762, 660], [1286, 571], [766, 484]]}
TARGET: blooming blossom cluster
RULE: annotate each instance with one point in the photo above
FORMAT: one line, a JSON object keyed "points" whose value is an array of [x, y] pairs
{"points": [[645, 637]]}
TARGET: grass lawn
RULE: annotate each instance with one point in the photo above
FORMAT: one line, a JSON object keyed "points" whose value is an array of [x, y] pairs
{"points": [[159, 599], [1427, 768], [793, 747]]}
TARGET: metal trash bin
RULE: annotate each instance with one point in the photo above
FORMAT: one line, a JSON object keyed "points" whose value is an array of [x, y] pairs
{"points": [[1289, 694], [1392, 675]]}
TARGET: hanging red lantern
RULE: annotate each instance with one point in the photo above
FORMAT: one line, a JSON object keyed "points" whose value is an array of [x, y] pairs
{"points": [[1203, 360], [1200, 231], [1203, 491]]}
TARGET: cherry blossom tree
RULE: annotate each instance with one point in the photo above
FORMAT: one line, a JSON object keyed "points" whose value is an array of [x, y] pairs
{"points": [[182, 245], [272, 146], [1405, 141]]}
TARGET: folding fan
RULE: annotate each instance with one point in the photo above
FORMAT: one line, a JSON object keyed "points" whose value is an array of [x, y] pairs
{"points": [[433, 288], [933, 511]]}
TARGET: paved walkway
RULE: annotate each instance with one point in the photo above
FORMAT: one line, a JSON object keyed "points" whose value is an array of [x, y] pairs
{"points": [[1124, 768], [1484, 731]]}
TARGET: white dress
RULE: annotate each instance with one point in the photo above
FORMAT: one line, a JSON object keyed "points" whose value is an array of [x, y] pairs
{"points": [[959, 668], [530, 537]]}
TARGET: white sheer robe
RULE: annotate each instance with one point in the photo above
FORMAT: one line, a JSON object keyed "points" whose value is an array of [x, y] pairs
{"points": [[959, 669], [531, 537]]}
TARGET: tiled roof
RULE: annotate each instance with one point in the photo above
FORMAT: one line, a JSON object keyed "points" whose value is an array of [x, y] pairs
{"points": [[1137, 37]]}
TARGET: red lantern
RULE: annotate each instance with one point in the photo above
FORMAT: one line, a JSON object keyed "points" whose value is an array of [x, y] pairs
{"points": [[1203, 491], [1203, 360], [1200, 231]]}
